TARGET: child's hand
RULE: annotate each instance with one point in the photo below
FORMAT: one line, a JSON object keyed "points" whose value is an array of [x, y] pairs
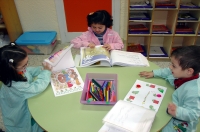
{"points": [[172, 109], [107, 46], [46, 66], [91, 45], [146, 74]]}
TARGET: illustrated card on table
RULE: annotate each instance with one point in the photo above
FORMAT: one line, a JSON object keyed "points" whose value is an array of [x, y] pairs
{"points": [[146, 94]]}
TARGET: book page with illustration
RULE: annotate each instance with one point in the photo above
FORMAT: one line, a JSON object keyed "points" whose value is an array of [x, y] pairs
{"points": [[65, 78], [97, 56], [66, 81]]}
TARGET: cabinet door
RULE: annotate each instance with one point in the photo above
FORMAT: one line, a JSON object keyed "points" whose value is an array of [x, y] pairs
{"points": [[11, 19]]}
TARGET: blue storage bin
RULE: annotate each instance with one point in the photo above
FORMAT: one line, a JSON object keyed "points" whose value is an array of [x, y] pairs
{"points": [[37, 42]]}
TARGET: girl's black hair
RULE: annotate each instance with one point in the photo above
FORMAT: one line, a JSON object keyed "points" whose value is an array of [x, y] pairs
{"points": [[100, 17], [188, 57], [8, 72]]}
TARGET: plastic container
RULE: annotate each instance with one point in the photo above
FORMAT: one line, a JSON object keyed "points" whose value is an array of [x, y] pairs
{"points": [[37, 42], [100, 78]]}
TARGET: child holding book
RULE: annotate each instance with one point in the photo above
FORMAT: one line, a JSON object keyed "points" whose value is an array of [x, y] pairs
{"points": [[99, 32], [183, 74], [18, 84]]}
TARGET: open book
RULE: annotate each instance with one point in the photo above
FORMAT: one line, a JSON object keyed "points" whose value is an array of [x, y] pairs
{"points": [[99, 56], [137, 111], [65, 78]]}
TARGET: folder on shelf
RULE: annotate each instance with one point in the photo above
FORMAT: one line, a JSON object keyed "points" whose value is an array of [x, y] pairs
{"points": [[184, 29], [156, 51], [134, 48], [186, 16], [139, 16], [188, 5], [160, 29], [165, 4], [141, 4], [138, 27]]}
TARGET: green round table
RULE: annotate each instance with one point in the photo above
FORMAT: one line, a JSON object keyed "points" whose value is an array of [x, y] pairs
{"points": [[67, 114]]}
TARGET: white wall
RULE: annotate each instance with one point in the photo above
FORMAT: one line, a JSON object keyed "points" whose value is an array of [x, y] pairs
{"points": [[36, 15]]}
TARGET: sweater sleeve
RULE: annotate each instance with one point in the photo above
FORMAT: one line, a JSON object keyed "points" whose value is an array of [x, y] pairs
{"points": [[116, 43], [190, 110], [164, 73], [34, 71], [81, 41], [35, 87]]}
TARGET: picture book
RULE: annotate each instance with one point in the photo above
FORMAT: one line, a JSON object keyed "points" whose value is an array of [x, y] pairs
{"points": [[65, 78], [99, 56], [137, 111]]}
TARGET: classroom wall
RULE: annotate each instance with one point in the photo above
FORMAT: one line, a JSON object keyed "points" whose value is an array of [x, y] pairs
{"points": [[37, 15], [41, 15]]}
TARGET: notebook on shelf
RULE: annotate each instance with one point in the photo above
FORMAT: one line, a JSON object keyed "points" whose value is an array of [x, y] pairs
{"points": [[137, 111], [99, 56]]}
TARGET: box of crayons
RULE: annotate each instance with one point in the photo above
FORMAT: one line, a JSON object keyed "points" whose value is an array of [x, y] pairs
{"points": [[99, 89]]}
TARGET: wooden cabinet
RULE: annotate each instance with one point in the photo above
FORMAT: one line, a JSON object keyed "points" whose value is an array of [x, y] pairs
{"points": [[170, 17], [11, 19]]}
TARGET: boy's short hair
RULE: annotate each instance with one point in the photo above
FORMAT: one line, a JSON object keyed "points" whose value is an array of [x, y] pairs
{"points": [[188, 57], [100, 17]]}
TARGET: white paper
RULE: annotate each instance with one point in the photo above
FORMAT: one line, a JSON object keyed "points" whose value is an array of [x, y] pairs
{"points": [[124, 58], [155, 50], [129, 117]]}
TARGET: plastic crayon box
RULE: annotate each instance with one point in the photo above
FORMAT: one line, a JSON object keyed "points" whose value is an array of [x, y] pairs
{"points": [[99, 89]]}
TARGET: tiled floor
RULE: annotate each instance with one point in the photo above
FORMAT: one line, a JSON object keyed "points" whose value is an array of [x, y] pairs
{"points": [[36, 60]]}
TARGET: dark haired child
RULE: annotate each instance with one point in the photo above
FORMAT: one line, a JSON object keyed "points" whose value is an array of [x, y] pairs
{"points": [[18, 84], [99, 32], [183, 74]]}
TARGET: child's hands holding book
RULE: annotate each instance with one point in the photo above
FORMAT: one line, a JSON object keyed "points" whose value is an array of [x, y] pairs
{"points": [[172, 109], [107, 46], [46, 66], [146, 74], [91, 45]]}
